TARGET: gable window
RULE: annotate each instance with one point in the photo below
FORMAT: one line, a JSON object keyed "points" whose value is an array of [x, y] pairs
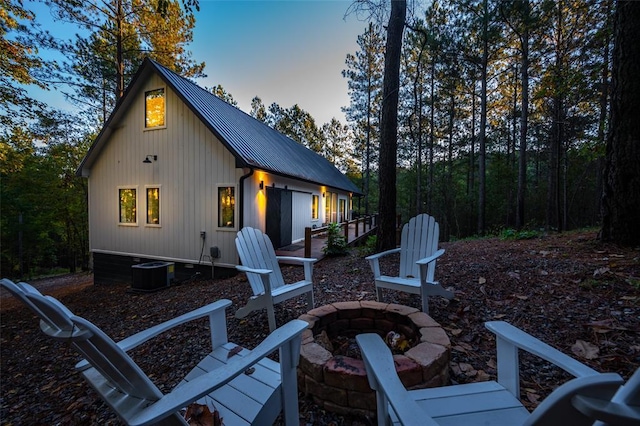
{"points": [[154, 108], [315, 205], [127, 215], [226, 207], [153, 206]]}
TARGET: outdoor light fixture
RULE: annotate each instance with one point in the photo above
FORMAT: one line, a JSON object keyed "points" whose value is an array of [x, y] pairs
{"points": [[147, 159], [261, 184]]}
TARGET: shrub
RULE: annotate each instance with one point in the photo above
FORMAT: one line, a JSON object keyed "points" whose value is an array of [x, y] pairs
{"points": [[336, 242], [369, 247]]}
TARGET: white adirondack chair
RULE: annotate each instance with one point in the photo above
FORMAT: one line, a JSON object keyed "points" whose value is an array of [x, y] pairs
{"points": [[578, 402], [245, 388], [58, 324], [418, 253], [260, 263]]}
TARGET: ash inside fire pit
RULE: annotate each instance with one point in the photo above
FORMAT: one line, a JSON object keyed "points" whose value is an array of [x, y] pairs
{"points": [[347, 346], [331, 369]]}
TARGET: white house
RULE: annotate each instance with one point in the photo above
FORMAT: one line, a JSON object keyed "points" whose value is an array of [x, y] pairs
{"points": [[176, 172]]}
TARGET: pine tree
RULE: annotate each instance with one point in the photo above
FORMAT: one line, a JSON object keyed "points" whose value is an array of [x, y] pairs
{"points": [[621, 198], [389, 126], [364, 74], [116, 36]]}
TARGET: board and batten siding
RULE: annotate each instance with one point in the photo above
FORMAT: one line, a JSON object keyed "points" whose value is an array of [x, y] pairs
{"points": [[301, 200], [190, 165]]}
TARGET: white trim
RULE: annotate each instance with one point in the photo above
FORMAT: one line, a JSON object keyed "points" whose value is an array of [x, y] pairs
{"points": [[216, 221], [136, 223], [144, 116], [146, 207], [194, 262]]}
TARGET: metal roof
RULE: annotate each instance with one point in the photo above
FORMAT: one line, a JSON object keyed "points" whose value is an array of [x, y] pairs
{"points": [[251, 141]]}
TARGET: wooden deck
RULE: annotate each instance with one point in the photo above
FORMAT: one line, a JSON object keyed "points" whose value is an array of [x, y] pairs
{"points": [[319, 240]]}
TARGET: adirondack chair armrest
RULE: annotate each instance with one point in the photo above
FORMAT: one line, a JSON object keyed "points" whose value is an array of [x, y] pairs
{"points": [[183, 395], [607, 411], [307, 262], [264, 275], [374, 260], [210, 310], [383, 379], [429, 259], [248, 270], [382, 254], [509, 339], [300, 260]]}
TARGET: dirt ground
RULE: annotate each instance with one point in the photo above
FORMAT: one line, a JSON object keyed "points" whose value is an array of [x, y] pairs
{"points": [[570, 290]]}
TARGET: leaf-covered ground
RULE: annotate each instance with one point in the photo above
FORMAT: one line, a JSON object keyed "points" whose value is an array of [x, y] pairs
{"points": [[571, 291]]}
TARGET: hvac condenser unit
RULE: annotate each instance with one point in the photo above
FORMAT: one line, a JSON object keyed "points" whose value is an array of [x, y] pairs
{"points": [[152, 276]]}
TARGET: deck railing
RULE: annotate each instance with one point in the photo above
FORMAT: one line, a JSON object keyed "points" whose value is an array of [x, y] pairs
{"points": [[368, 223]]}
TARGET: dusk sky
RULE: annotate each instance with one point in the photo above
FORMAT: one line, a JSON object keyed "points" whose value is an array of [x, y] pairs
{"points": [[286, 52]]}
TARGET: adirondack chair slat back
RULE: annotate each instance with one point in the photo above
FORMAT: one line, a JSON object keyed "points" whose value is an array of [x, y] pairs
{"points": [[98, 349], [256, 251], [557, 408], [419, 239], [112, 362], [52, 319]]}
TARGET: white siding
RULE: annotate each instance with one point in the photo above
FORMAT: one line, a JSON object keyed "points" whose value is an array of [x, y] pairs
{"points": [[301, 202], [190, 165], [191, 162]]}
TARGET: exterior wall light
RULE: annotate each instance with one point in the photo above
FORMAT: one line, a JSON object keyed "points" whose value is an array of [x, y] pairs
{"points": [[147, 159]]}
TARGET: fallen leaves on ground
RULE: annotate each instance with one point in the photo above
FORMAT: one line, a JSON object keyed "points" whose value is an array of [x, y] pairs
{"points": [[547, 286]]}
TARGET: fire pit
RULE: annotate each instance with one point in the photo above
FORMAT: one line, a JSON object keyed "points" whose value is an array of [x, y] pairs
{"points": [[338, 383]]}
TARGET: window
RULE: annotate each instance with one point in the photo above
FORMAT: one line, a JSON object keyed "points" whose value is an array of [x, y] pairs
{"points": [[154, 108], [343, 209], [331, 205], [226, 207], [153, 206], [127, 206], [315, 204]]}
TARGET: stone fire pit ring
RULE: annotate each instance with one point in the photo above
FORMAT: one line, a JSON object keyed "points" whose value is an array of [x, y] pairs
{"points": [[339, 383]]}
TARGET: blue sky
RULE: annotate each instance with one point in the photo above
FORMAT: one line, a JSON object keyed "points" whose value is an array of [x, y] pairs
{"points": [[288, 52]]}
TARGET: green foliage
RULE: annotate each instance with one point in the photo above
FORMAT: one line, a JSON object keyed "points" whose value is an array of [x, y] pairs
{"points": [[336, 242], [369, 247], [513, 234], [99, 65], [43, 221]]}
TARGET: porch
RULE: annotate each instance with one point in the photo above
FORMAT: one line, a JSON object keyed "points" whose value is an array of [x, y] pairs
{"points": [[315, 239]]}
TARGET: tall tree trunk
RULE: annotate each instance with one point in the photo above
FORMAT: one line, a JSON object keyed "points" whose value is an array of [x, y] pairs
{"points": [[119, 52], [554, 211], [482, 149], [432, 130], [621, 195], [604, 103], [367, 177], [524, 119], [417, 101], [389, 126], [471, 180]]}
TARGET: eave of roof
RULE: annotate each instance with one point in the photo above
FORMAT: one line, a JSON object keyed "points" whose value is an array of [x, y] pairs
{"points": [[251, 141]]}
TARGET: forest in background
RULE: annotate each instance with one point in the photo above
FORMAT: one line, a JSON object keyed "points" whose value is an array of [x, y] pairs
{"points": [[502, 116]]}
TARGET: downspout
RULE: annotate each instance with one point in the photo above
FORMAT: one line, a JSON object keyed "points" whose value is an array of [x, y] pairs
{"points": [[241, 183]]}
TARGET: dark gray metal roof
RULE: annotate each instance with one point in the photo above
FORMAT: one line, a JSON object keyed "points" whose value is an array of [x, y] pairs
{"points": [[253, 142]]}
